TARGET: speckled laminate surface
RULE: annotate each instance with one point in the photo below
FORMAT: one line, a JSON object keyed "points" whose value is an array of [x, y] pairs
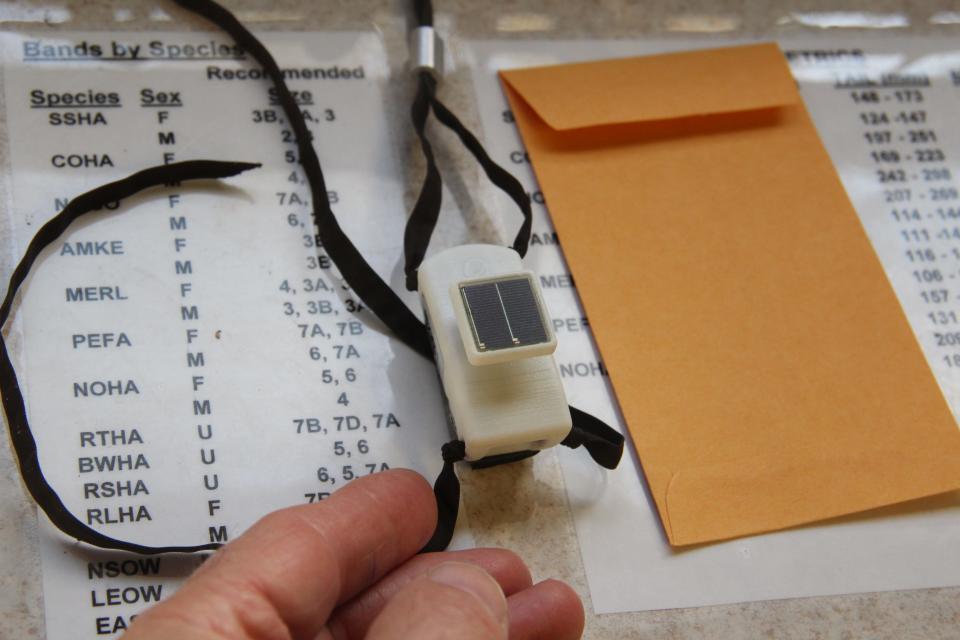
{"points": [[519, 506]]}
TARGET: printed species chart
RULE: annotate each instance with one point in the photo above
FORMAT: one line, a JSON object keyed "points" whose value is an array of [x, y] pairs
{"points": [[884, 108], [190, 360]]}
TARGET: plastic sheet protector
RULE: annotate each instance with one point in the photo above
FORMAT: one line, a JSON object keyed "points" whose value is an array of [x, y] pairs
{"points": [[191, 362]]}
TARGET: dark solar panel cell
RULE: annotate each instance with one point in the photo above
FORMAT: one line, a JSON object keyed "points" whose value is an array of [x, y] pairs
{"points": [[523, 312], [486, 314], [504, 314]]}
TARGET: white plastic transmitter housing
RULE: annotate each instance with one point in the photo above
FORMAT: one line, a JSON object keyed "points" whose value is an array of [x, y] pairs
{"points": [[510, 401]]}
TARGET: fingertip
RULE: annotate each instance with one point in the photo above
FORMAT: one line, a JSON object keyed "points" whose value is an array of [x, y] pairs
{"points": [[409, 493], [560, 590], [508, 567], [355, 617], [473, 580], [548, 609], [405, 484], [565, 597], [408, 477], [452, 600]]}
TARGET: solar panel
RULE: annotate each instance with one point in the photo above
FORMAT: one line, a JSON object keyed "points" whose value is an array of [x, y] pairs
{"points": [[504, 314]]}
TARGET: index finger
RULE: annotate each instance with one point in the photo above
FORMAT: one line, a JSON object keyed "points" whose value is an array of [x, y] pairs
{"points": [[295, 565]]}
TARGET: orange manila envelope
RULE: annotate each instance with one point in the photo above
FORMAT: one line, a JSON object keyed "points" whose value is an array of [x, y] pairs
{"points": [[763, 364]]}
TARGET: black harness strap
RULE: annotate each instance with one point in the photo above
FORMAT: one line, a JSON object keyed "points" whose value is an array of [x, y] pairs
{"points": [[13, 405], [426, 211], [446, 489], [602, 442], [497, 174]]}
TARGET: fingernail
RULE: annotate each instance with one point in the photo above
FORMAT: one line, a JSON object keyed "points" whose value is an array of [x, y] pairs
{"points": [[476, 582]]}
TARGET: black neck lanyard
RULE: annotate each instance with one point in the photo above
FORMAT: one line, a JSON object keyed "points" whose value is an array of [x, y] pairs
{"points": [[603, 443]]}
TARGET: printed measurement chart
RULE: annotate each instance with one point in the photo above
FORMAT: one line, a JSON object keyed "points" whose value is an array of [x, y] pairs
{"points": [[191, 360], [885, 109]]}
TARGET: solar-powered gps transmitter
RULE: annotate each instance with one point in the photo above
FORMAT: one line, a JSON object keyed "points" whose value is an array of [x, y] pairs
{"points": [[494, 347]]}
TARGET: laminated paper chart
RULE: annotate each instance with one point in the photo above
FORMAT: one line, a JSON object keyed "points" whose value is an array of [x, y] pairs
{"points": [[192, 362]]}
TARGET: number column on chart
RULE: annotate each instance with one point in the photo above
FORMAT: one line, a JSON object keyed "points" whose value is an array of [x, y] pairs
{"points": [[903, 143]]}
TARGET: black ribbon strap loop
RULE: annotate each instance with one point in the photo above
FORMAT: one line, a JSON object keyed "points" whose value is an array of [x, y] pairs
{"points": [[447, 492], [603, 443], [24, 444], [496, 174], [426, 211]]}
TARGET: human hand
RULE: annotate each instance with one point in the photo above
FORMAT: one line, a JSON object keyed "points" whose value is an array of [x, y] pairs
{"points": [[346, 568]]}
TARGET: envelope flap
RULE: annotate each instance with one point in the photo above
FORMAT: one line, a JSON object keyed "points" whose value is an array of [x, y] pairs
{"points": [[660, 87]]}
